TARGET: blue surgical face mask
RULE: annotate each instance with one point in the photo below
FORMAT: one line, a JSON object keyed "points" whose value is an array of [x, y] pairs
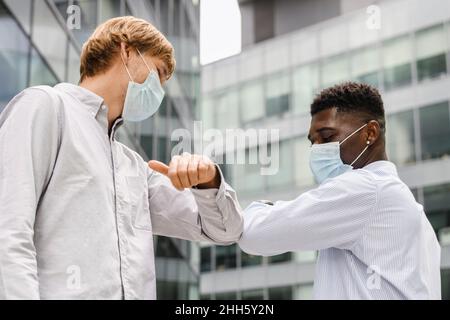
{"points": [[142, 100], [326, 162]]}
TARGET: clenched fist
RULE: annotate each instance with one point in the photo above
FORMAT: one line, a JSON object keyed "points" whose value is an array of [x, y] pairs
{"points": [[189, 170]]}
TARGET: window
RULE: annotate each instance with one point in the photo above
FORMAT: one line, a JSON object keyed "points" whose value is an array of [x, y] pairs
{"points": [[49, 38], [400, 137], [226, 296], [147, 144], [283, 161], [431, 53], [248, 260], [172, 290], [207, 113], [280, 293], [227, 171], [14, 49], [445, 284], [162, 149], [89, 15], [252, 102], [110, 9], [335, 70], [415, 193], [437, 205], [365, 66], [253, 294], [303, 174], [397, 57], [435, 130], [278, 95], [225, 257], [305, 86], [305, 256], [303, 292], [165, 247], [21, 11], [40, 73], [284, 257], [248, 177], [73, 65], [227, 110], [205, 259]]}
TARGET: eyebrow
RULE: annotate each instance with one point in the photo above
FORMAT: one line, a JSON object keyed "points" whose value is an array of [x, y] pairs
{"points": [[320, 130]]}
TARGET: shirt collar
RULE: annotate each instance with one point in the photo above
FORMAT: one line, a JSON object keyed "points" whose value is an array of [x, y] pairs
{"points": [[92, 102], [89, 99], [383, 166]]}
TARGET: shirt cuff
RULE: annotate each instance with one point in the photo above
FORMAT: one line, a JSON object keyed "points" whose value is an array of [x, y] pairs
{"points": [[212, 193]]}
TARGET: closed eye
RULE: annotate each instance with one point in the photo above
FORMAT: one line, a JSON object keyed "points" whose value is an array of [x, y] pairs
{"points": [[328, 138]]}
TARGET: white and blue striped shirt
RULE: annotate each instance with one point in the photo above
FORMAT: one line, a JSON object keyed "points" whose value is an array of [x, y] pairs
{"points": [[374, 239]]}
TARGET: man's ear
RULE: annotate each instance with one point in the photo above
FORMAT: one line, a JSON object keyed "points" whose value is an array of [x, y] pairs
{"points": [[125, 52], [373, 131]]}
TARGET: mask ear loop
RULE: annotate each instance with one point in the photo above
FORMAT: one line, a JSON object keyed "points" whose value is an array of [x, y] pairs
{"points": [[124, 64], [145, 62], [367, 147], [368, 143], [354, 132]]}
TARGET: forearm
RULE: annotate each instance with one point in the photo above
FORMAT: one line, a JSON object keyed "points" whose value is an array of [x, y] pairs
{"points": [[256, 239], [18, 265], [18, 271]]}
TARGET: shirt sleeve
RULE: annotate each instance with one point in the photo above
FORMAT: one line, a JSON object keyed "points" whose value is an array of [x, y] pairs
{"points": [[28, 149], [332, 215], [211, 215]]}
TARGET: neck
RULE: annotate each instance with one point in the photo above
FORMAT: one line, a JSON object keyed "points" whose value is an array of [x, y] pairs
{"points": [[377, 154], [104, 86]]}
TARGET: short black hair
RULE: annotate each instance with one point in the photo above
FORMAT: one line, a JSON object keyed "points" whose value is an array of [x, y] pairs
{"points": [[352, 97]]}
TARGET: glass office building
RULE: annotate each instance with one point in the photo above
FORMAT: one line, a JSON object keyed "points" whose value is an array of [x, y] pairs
{"points": [[271, 85], [40, 47]]}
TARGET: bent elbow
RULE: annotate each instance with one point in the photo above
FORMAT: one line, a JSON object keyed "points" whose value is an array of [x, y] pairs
{"points": [[250, 244], [230, 235]]}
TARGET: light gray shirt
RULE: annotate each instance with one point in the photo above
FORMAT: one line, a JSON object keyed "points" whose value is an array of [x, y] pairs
{"points": [[78, 209], [374, 239]]}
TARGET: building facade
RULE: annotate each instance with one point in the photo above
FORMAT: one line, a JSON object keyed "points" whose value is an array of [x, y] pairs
{"points": [[401, 47], [41, 45]]}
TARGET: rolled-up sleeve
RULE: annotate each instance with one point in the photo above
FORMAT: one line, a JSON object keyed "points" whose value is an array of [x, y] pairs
{"points": [[28, 151], [212, 215]]}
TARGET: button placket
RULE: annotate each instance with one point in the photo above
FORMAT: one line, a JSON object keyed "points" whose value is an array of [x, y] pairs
{"points": [[119, 220]]}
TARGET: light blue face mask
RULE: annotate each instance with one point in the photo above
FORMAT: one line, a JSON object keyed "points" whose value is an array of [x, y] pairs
{"points": [[142, 100], [325, 160]]}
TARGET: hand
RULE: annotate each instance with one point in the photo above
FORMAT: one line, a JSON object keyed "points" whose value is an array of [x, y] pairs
{"points": [[189, 170]]}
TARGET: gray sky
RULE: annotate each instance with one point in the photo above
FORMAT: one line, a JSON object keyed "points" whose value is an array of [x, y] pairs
{"points": [[220, 29]]}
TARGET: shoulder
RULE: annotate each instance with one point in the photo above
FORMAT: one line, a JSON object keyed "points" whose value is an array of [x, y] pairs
{"points": [[40, 103], [355, 189], [358, 180], [45, 93], [39, 98]]}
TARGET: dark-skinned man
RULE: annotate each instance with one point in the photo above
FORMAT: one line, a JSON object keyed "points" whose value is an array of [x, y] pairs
{"points": [[373, 238]]}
